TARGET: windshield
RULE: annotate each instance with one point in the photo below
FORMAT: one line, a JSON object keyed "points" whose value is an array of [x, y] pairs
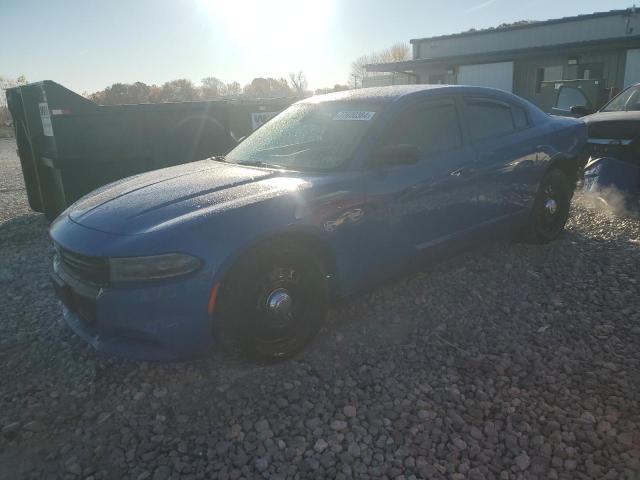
{"points": [[308, 136], [629, 100]]}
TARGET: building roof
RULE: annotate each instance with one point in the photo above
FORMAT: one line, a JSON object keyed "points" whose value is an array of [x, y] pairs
{"points": [[529, 24], [613, 29]]}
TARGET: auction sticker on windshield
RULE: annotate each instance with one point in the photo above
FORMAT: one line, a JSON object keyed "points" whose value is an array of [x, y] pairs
{"points": [[354, 115]]}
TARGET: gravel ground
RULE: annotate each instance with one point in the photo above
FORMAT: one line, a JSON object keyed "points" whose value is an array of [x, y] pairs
{"points": [[512, 361]]}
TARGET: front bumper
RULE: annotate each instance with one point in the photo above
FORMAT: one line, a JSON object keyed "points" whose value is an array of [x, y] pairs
{"points": [[165, 321], [614, 182]]}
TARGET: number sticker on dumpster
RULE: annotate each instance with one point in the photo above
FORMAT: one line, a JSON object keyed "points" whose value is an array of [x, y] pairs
{"points": [[260, 118], [354, 115], [45, 116]]}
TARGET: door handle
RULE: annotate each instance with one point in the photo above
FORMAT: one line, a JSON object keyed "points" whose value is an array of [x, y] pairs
{"points": [[457, 173]]}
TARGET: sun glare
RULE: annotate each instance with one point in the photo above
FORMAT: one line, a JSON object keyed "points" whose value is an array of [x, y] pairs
{"points": [[283, 30]]}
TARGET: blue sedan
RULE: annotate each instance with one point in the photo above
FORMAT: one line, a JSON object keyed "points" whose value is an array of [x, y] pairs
{"points": [[332, 196]]}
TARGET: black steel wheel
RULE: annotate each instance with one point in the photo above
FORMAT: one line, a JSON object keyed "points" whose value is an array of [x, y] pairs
{"points": [[272, 303], [551, 207]]}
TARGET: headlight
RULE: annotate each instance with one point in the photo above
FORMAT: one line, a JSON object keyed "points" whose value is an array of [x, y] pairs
{"points": [[135, 269]]}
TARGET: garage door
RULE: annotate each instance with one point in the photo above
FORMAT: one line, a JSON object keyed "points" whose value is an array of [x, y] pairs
{"points": [[632, 69], [495, 75]]}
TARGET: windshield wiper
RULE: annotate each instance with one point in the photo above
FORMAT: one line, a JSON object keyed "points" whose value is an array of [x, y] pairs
{"points": [[218, 158], [260, 163]]}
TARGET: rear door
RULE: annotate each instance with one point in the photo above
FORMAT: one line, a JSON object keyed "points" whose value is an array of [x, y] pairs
{"points": [[506, 156]]}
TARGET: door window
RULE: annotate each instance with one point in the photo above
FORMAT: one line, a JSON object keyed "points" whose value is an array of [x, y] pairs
{"points": [[519, 117], [488, 118], [432, 128]]}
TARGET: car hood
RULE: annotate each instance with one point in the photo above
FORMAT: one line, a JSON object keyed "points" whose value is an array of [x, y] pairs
{"points": [[167, 197], [613, 125], [631, 116]]}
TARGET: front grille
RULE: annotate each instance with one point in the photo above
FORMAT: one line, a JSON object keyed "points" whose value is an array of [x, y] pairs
{"points": [[88, 269]]}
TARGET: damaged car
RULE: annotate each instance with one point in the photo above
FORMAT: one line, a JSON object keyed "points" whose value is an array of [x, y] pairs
{"points": [[334, 195], [612, 174]]}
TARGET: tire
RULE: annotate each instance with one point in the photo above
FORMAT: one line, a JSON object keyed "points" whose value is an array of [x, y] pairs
{"points": [[550, 208], [272, 303]]}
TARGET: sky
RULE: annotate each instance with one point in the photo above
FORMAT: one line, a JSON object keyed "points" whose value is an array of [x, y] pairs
{"points": [[87, 45]]}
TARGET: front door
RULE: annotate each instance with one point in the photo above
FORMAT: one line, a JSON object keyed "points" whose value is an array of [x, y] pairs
{"points": [[428, 202]]}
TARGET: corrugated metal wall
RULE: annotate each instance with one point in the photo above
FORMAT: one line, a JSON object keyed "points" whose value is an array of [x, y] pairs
{"points": [[567, 32]]}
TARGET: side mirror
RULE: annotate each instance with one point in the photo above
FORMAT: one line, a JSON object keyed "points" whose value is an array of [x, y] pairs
{"points": [[401, 154], [580, 110]]}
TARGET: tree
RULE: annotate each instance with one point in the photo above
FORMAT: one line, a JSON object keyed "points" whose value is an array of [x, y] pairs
{"points": [[267, 88], [212, 88], [298, 83], [5, 83], [397, 52], [122, 93], [233, 89], [358, 70], [181, 90]]}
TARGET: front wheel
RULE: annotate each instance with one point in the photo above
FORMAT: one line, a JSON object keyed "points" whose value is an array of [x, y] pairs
{"points": [[272, 303], [551, 208]]}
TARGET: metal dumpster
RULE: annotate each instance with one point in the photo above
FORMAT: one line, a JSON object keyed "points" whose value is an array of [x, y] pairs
{"points": [[69, 145]]}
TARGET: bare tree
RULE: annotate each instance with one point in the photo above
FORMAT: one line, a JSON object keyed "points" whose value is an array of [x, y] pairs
{"points": [[211, 88], [5, 82], [358, 70], [397, 52], [233, 88], [298, 83]]}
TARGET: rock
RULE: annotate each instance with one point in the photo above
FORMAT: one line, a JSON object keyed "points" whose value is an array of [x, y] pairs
{"points": [[6, 276], [160, 393], [354, 450], [460, 444], [11, 429], [349, 411], [35, 426], [103, 417], [625, 439], [262, 464], [163, 472], [262, 425], [320, 445], [523, 461], [338, 425]]}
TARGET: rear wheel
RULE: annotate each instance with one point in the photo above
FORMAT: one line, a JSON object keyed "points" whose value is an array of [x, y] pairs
{"points": [[272, 303], [551, 208]]}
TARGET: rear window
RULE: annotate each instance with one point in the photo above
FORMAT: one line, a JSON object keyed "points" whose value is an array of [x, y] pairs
{"points": [[571, 97], [488, 118]]}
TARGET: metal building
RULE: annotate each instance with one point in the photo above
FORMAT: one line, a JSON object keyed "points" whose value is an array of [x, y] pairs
{"points": [[597, 53]]}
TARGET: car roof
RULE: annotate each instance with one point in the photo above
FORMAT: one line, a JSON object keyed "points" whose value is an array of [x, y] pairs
{"points": [[386, 95], [397, 92]]}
